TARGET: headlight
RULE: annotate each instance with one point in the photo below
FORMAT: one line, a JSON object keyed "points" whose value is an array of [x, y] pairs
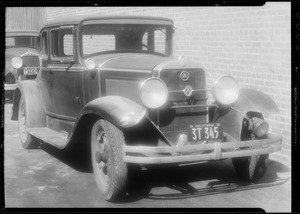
{"points": [[154, 93], [226, 90], [16, 62], [90, 64], [259, 127]]}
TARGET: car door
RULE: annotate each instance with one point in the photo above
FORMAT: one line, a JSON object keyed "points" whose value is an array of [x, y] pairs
{"points": [[46, 80], [66, 74]]}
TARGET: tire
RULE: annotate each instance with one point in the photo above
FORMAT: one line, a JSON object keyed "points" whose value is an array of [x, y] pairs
{"points": [[251, 168], [27, 141], [110, 170]]}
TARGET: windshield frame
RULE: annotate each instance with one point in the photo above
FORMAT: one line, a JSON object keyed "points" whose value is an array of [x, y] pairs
{"points": [[168, 44]]}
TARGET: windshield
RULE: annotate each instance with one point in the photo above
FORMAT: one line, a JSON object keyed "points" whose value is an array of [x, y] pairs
{"points": [[21, 41], [97, 39]]}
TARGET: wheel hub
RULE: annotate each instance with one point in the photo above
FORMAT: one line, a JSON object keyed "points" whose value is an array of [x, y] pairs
{"points": [[101, 154]]}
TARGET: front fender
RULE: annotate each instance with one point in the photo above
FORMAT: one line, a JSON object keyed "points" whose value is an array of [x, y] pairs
{"points": [[250, 100], [257, 101], [120, 111]]}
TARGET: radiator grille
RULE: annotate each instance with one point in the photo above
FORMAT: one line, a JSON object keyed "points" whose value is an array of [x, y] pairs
{"points": [[175, 83], [31, 61], [177, 120]]}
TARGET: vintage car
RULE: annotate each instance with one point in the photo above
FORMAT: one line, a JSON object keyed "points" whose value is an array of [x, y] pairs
{"points": [[21, 56], [112, 85]]}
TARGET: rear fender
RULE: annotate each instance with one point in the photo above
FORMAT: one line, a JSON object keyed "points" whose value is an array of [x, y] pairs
{"points": [[33, 103]]}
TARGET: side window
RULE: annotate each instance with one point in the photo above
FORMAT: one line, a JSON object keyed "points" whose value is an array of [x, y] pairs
{"points": [[44, 45], [62, 44], [68, 45]]}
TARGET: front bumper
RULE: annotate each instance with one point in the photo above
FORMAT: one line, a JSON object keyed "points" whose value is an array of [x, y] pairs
{"points": [[10, 87], [194, 153]]}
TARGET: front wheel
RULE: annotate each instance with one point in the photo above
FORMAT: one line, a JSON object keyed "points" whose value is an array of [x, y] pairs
{"points": [[110, 170], [27, 141], [251, 168]]}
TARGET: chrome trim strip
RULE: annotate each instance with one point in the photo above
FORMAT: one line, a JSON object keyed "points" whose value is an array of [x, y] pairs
{"points": [[201, 89], [193, 106], [125, 70], [10, 87], [58, 116]]}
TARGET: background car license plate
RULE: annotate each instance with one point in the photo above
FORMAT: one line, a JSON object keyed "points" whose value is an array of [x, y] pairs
{"points": [[207, 131], [30, 71]]}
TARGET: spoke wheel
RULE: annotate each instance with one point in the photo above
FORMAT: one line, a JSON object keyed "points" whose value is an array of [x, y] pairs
{"points": [[110, 171]]}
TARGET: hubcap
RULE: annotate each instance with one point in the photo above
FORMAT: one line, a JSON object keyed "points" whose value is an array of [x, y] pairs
{"points": [[101, 155]]}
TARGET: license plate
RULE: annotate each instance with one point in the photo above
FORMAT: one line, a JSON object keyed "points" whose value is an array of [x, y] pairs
{"points": [[207, 131], [30, 71]]}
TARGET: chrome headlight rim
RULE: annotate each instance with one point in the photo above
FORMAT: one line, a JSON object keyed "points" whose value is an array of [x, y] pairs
{"points": [[14, 62], [164, 87], [235, 98]]}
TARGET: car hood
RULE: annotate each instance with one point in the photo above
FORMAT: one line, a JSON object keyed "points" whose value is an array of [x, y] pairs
{"points": [[134, 61], [12, 52], [128, 61]]}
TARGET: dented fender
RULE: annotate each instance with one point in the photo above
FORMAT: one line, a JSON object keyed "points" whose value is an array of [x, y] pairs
{"points": [[118, 110]]}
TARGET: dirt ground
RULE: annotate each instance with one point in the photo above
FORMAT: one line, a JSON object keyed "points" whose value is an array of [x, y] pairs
{"points": [[46, 177]]}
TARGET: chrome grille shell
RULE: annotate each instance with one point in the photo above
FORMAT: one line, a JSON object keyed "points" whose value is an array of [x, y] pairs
{"points": [[31, 61], [179, 113]]}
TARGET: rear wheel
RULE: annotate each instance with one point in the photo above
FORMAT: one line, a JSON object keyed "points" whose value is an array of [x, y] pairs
{"points": [[107, 159], [27, 141]]}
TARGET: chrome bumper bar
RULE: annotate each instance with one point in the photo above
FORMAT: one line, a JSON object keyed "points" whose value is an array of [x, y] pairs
{"points": [[10, 87], [193, 153]]}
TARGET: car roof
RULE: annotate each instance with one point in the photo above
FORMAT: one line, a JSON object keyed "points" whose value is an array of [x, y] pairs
{"points": [[109, 19], [21, 32]]}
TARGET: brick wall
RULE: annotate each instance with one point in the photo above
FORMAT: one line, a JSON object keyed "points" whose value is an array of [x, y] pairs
{"points": [[253, 44]]}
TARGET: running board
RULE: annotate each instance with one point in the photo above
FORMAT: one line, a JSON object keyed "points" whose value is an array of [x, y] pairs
{"points": [[50, 136]]}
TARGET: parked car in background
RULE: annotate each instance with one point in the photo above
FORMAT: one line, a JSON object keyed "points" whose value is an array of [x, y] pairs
{"points": [[111, 84], [21, 57]]}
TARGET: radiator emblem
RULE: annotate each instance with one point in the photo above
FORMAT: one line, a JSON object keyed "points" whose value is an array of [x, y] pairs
{"points": [[188, 90], [184, 75]]}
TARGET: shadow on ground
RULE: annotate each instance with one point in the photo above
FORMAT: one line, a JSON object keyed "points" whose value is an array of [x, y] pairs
{"points": [[180, 180], [223, 174], [77, 157]]}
